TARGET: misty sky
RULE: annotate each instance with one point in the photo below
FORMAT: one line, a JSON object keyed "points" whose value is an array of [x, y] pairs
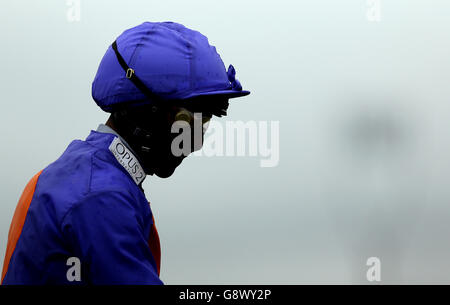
{"points": [[364, 155]]}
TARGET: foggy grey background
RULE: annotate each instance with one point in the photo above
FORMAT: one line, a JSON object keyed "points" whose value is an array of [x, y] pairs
{"points": [[364, 134]]}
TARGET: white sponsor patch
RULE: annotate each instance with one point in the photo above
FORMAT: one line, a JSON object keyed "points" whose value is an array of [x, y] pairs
{"points": [[127, 160]]}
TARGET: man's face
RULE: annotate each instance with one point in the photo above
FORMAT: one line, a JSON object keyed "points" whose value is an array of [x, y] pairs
{"points": [[163, 159]]}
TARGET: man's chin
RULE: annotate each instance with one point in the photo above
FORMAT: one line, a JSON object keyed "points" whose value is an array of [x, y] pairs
{"points": [[164, 173], [168, 169]]}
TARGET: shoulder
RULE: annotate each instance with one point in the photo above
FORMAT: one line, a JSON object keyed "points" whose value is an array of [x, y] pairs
{"points": [[107, 210], [86, 172], [67, 179]]}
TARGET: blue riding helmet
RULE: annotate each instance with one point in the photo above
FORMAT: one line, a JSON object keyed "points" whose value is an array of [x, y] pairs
{"points": [[164, 61]]}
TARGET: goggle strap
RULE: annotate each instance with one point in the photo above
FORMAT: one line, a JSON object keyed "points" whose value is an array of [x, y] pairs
{"points": [[131, 75]]}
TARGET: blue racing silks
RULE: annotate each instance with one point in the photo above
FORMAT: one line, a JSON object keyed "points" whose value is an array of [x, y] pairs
{"points": [[87, 205]]}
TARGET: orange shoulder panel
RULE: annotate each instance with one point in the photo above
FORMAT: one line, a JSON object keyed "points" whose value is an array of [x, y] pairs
{"points": [[154, 244], [18, 220]]}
